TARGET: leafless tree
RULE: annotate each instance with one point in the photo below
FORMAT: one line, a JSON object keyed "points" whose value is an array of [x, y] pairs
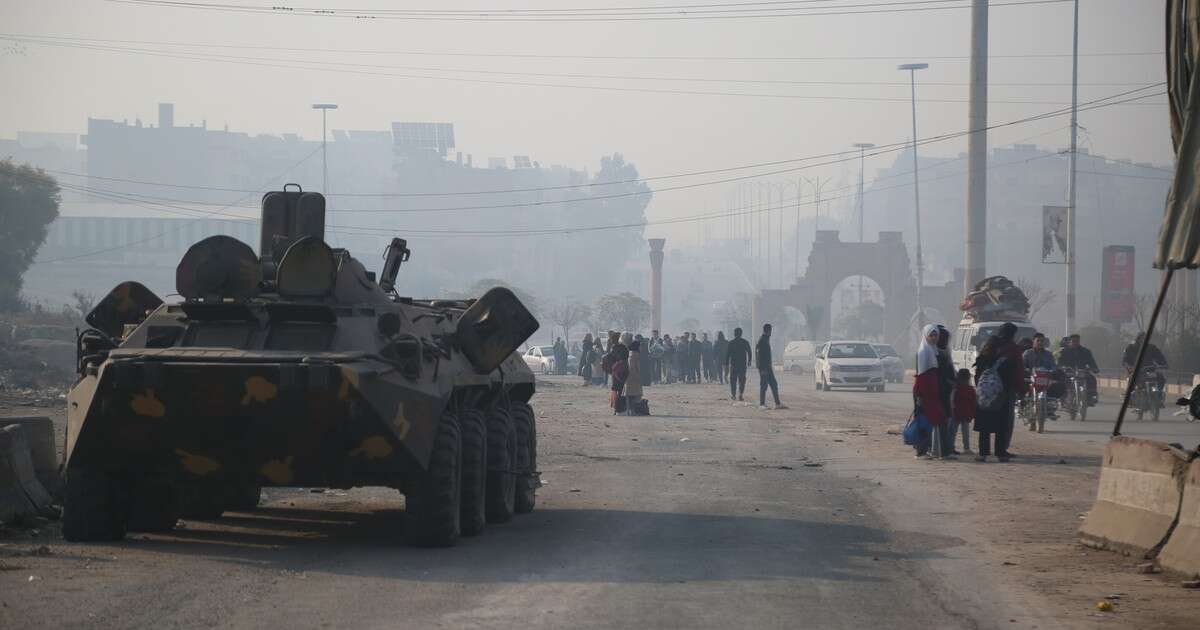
{"points": [[1038, 295], [84, 302], [567, 315]]}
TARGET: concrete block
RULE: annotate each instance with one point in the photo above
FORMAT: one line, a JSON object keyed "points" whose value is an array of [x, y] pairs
{"points": [[1182, 551], [20, 491], [1138, 497], [39, 431]]}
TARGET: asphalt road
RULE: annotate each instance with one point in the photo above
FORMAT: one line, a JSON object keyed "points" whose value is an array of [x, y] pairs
{"points": [[709, 514]]}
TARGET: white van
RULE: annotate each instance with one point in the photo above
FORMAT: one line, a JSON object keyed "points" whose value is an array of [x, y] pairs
{"points": [[971, 335], [798, 354]]}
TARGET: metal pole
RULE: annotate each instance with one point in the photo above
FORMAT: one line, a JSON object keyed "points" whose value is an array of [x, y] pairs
{"points": [[862, 170], [912, 73], [799, 194], [976, 242], [324, 159], [1071, 177], [1137, 365]]}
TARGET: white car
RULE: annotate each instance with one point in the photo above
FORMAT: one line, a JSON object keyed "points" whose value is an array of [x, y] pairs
{"points": [[893, 369], [968, 340], [797, 354], [540, 359], [848, 364]]}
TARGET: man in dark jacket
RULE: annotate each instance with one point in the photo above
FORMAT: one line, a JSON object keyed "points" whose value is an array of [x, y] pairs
{"points": [[737, 360], [1080, 359], [766, 373], [720, 347], [695, 354]]}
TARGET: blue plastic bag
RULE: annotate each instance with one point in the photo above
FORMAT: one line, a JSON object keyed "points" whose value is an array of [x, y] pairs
{"points": [[917, 430]]}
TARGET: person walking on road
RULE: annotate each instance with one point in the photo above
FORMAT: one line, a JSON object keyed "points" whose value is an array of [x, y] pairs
{"points": [[720, 347], [737, 361], [766, 372], [706, 359], [695, 354], [1003, 353], [927, 397], [585, 359], [560, 357]]}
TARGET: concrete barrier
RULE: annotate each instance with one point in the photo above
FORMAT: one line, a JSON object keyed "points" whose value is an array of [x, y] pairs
{"points": [[1138, 498], [39, 431], [21, 493], [1182, 551]]}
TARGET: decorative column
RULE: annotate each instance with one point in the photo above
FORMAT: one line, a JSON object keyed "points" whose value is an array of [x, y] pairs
{"points": [[656, 264]]}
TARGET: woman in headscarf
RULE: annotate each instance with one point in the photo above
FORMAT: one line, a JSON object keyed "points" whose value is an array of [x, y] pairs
{"points": [[585, 359], [926, 395], [618, 365], [998, 419], [633, 384], [946, 377], [598, 376]]}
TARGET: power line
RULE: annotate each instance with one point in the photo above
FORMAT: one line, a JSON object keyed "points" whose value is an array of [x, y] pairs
{"points": [[648, 15], [838, 157], [358, 69], [702, 58]]}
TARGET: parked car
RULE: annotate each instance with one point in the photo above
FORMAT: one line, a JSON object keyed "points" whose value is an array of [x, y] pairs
{"points": [[798, 354], [540, 359], [848, 364], [893, 367]]}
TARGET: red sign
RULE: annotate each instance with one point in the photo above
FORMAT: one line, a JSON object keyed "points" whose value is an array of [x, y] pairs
{"points": [[1117, 299]]}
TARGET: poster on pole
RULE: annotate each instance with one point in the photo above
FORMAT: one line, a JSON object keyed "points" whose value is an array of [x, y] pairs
{"points": [[1054, 234], [1117, 297]]}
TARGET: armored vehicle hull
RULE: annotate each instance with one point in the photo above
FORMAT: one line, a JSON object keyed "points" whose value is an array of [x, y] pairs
{"points": [[298, 368]]}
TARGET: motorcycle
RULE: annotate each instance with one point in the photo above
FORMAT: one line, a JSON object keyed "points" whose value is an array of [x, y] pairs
{"points": [[1075, 400], [1148, 395], [1038, 405], [1192, 413]]}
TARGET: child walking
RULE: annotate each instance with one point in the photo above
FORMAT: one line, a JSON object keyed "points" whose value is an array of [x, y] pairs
{"points": [[963, 409]]}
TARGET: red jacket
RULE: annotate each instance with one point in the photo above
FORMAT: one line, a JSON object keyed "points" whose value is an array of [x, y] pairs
{"points": [[925, 386], [964, 403]]}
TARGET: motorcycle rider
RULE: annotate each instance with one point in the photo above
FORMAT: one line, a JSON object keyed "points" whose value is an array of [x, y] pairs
{"points": [[1038, 357], [1154, 358], [1080, 359]]}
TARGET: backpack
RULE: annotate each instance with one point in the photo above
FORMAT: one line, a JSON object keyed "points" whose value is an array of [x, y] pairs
{"points": [[990, 388], [641, 408]]}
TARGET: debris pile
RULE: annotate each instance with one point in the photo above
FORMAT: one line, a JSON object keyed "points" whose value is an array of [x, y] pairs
{"points": [[995, 298]]}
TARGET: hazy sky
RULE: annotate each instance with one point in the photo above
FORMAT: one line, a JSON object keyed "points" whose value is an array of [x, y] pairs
{"points": [[57, 88]]}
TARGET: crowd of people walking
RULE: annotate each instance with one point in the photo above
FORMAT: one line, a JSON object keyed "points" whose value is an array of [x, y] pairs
{"points": [[626, 363]]}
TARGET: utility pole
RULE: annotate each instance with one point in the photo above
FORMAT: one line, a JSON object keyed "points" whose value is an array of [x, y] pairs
{"points": [[912, 73], [862, 170], [324, 107], [976, 254], [1071, 177], [799, 194]]}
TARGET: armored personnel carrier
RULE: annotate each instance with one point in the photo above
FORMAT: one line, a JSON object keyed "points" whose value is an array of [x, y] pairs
{"points": [[298, 367]]}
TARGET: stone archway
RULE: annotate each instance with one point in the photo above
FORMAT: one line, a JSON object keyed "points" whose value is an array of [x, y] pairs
{"points": [[831, 261]]}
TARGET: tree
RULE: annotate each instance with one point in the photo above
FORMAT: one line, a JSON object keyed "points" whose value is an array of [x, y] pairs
{"points": [[566, 315], [814, 318], [484, 285], [625, 311], [29, 201], [864, 321], [84, 302], [1038, 295], [689, 324]]}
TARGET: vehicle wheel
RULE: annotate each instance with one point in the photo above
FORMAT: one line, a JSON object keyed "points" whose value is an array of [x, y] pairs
{"points": [[502, 453], [154, 507], [474, 471], [431, 503], [244, 497], [95, 507], [525, 426]]}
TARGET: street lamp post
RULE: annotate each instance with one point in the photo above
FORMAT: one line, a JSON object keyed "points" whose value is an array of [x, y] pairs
{"points": [[862, 169], [324, 107], [912, 76]]}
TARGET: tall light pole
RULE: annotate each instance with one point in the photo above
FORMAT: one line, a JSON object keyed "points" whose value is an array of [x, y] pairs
{"points": [[912, 76], [862, 170], [1071, 177], [324, 107]]}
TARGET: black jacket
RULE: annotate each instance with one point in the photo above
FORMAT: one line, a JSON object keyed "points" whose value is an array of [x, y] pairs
{"points": [[1154, 356], [763, 350], [737, 355], [1077, 358]]}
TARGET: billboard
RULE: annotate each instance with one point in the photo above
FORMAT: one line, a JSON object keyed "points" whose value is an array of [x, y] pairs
{"points": [[1117, 297], [1054, 234]]}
